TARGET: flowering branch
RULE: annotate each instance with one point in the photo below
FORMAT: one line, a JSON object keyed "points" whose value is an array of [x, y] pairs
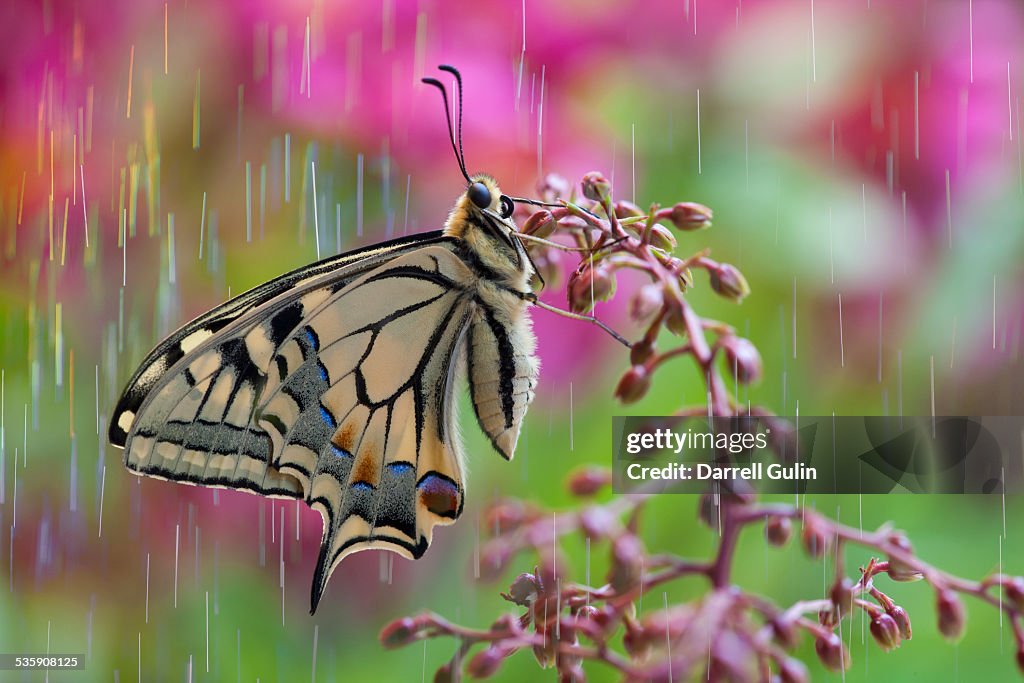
{"points": [[728, 634]]}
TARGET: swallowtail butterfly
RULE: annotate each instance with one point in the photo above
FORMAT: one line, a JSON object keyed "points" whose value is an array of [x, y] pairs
{"points": [[333, 384]]}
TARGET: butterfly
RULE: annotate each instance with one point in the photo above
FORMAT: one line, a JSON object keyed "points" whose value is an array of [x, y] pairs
{"points": [[334, 384]]}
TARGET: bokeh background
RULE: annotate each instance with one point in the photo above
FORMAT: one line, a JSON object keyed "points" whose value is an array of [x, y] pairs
{"points": [[863, 159]]}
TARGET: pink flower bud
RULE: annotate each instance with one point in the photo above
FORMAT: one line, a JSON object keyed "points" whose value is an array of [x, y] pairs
{"points": [[545, 654], [540, 224], [596, 187], [778, 530], [633, 385], [641, 351], [553, 186], [793, 671], [627, 563], [661, 238], [599, 523], [402, 632], [589, 285], [842, 596], [506, 515], [648, 301], [493, 559], [885, 631], [588, 480], [1014, 588], [743, 359], [902, 620], [486, 663], [785, 631], [831, 652], [814, 538], [447, 674], [688, 216], [674, 319], [728, 281], [952, 617], [523, 590], [626, 209], [636, 640]]}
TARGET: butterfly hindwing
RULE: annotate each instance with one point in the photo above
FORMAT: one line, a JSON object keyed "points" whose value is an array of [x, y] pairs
{"points": [[334, 388], [502, 372]]}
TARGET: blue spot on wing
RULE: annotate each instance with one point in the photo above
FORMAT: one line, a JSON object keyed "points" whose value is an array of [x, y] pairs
{"points": [[340, 452], [314, 341], [323, 372], [327, 417], [362, 485], [399, 467]]}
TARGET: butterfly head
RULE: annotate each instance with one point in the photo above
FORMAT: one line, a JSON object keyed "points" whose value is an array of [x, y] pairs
{"points": [[482, 219]]}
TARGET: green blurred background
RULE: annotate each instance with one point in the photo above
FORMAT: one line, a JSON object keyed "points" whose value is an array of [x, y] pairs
{"points": [[863, 160]]}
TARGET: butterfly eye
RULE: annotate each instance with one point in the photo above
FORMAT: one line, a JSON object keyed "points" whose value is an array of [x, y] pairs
{"points": [[507, 207], [479, 195]]}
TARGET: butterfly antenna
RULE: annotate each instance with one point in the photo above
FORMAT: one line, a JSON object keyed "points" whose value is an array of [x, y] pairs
{"points": [[458, 79], [448, 117]]}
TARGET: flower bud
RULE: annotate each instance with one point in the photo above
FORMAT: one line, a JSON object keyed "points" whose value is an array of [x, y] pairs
{"points": [[636, 640], [785, 631], [588, 480], [487, 662], [641, 351], [599, 523], [814, 537], [778, 530], [523, 590], [885, 631], [493, 559], [553, 186], [627, 209], [633, 385], [793, 671], [545, 654], [952, 616], [448, 674], [647, 301], [661, 238], [688, 216], [743, 358], [402, 632], [842, 596], [728, 281], [685, 279], [596, 187], [902, 620], [831, 652], [1014, 589], [627, 563], [506, 515], [898, 569], [540, 224], [674, 319], [589, 285]]}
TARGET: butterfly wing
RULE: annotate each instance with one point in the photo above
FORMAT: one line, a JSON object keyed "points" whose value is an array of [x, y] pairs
{"points": [[332, 386]]}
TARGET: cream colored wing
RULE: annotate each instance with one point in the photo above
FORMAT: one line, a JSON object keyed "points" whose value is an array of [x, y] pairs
{"points": [[502, 372], [337, 391]]}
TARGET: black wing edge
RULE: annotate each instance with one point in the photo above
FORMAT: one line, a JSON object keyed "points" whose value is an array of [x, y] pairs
{"points": [[168, 352]]}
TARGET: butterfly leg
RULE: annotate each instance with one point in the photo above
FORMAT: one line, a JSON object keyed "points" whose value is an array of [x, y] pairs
{"points": [[532, 298]]}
